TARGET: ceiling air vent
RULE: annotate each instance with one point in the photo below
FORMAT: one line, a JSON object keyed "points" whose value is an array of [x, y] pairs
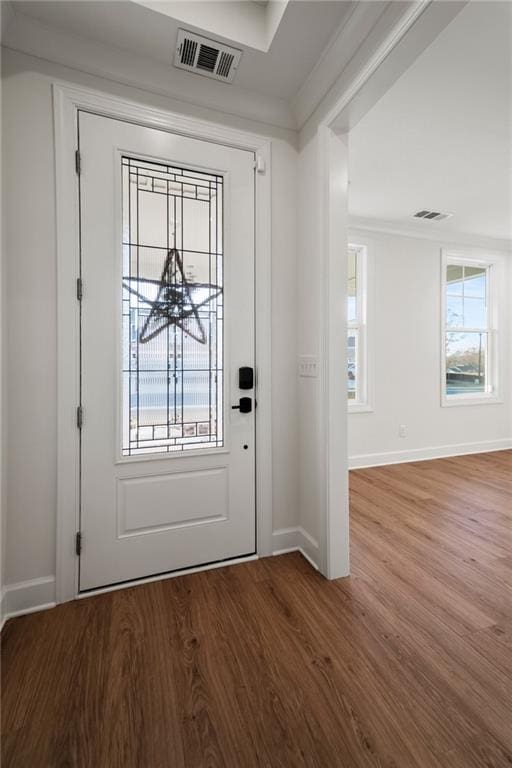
{"points": [[432, 215], [206, 57]]}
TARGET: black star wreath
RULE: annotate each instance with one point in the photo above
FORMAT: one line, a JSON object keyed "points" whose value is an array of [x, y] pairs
{"points": [[177, 302]]}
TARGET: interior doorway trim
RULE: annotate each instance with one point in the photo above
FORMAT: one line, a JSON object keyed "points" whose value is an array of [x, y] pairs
{"points": [[418, 26], [67, 100]]}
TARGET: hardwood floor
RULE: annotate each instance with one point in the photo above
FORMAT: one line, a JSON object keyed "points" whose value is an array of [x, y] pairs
{"points": [[407, 663]]}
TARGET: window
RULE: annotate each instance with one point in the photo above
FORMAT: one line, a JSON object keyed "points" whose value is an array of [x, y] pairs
{"points": [[172, 354], [469, 344], [356, 328]]}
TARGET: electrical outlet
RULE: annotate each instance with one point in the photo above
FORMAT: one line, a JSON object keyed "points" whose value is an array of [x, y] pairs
{"points": [[402, 430]]}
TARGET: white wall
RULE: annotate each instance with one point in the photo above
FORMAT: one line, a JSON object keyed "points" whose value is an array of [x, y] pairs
{"points": [[405, 351], [309, 342], [323, 462], [2, 373], [29, 189], [359, 68]]}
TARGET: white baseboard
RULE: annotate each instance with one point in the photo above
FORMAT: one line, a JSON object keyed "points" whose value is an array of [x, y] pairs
{"points": [[28, 597], [296, 539], [424, 454]]}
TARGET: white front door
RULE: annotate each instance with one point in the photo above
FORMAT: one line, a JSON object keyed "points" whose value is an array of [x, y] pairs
{"points": [[167, 324]]}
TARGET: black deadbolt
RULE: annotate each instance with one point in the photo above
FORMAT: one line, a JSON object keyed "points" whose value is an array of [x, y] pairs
{"points": [[245, 377], [245, 405]]}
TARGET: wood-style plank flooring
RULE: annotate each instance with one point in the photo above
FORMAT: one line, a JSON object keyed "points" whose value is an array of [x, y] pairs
{"points": [[406, 663]]}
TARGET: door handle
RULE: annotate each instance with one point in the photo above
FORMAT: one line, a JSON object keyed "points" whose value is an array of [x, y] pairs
{"points": [[244, 405]]}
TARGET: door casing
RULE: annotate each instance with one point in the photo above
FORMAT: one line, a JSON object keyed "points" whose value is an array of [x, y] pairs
{"points": [[67, 100]]}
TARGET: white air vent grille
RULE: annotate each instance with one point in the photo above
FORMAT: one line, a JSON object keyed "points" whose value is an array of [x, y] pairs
{"points": [[206, 57], [188, 52], [225, 63], [431, 215]]}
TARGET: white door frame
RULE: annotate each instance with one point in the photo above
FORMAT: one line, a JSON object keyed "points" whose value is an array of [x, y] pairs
{"points": [[67, 100]]}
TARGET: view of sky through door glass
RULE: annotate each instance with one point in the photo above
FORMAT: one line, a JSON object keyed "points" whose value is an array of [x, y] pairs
{"points": [[172, 339]]}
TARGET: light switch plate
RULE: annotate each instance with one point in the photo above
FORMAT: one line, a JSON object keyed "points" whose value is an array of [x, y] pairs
{"points": [[308, 366]]}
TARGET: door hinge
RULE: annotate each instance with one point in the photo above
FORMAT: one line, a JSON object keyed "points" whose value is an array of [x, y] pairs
{"points": [[79, 288], [78, 543], [78, 162], [260, 165], [79, 417]]}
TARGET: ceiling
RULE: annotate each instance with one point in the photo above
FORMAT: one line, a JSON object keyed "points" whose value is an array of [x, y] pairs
{"points": [[441, 137], [253, 24], [302, 34]]}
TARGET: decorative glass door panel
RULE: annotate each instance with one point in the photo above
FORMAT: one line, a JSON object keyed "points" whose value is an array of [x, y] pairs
{"points": [[172, 305]]}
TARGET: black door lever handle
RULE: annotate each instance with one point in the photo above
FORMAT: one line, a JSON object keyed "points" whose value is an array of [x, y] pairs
{"points": [[244, 406]]}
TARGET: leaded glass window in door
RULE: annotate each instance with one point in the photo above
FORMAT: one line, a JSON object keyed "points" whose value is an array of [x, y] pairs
{"points": [[172, 289]]}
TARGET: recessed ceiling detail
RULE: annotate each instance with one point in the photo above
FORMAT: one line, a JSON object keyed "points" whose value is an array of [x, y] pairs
{"points": [[206, 57], [252, 24]]}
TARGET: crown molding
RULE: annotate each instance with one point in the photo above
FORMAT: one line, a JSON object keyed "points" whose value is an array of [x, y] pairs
{"points": [[29, 36], [354, 56], [374, 59], [368, 35], [342, 46], [383, 227]]}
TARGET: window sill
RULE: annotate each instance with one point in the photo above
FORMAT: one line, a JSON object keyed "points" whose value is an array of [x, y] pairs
{"points": [[461, 401], [360, 408]]}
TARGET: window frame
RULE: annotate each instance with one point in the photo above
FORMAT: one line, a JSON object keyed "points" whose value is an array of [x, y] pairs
{"points": [[361, 403], [492, 265]]}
